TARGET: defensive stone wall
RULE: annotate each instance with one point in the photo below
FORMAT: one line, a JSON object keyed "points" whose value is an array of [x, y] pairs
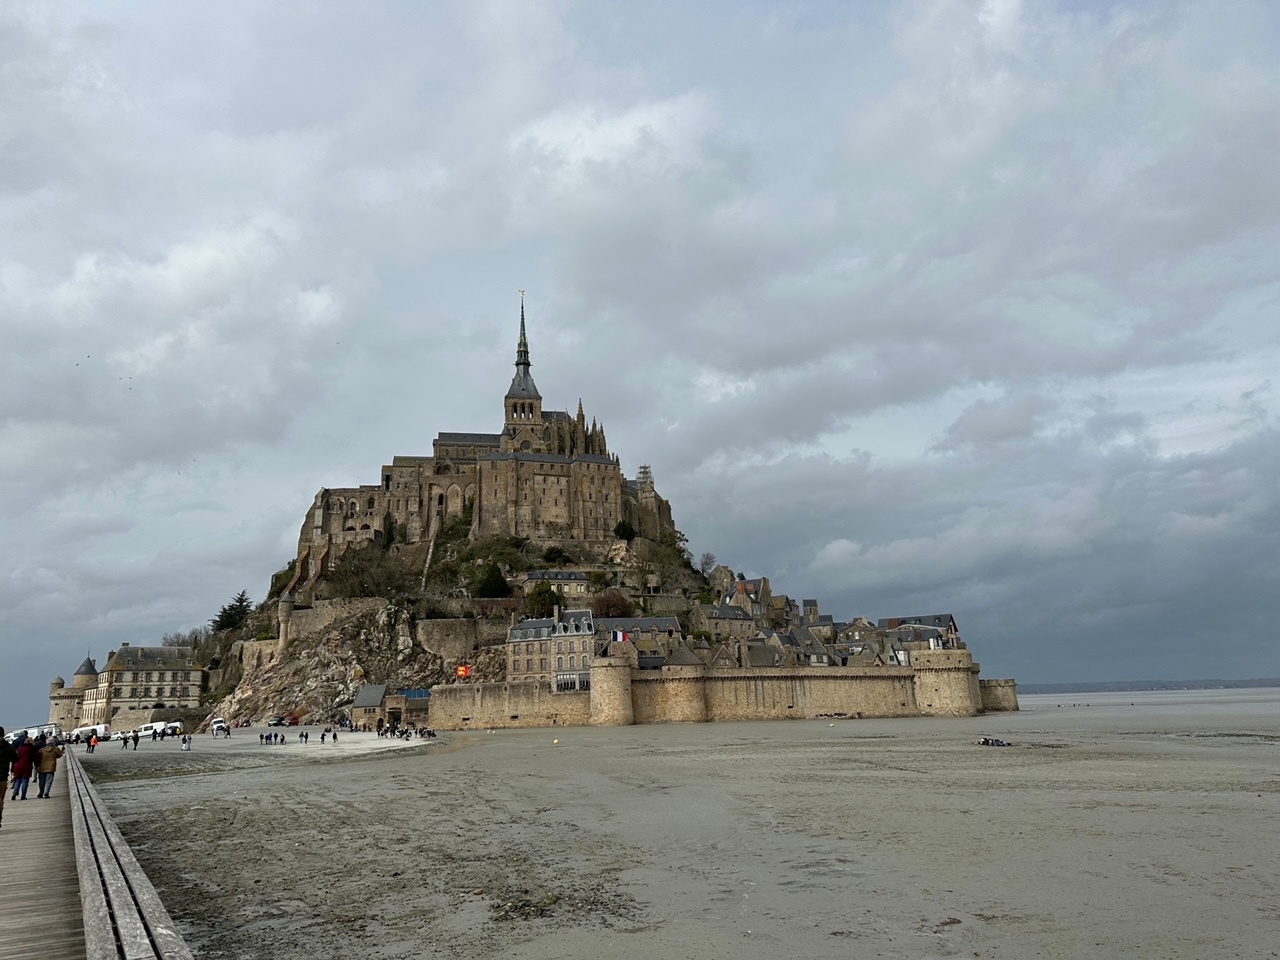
{"points": [[805, 692], [454, 639], [621, 695], [611, 700], [946, 683], [324, 613], [999, 695], [481, 706]]}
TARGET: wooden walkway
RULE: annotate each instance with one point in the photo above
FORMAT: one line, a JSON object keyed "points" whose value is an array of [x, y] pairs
{"points": [[40, 909]]}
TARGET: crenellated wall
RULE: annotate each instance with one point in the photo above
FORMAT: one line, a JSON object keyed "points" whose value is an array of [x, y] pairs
{"points": [[481, 706], [999, 695]]}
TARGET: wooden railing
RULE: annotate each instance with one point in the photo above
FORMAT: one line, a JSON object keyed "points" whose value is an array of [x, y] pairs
{"points": [[123, 916]]}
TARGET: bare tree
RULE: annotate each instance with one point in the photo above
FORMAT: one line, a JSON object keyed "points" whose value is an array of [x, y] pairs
{"points": [[706, 563]]}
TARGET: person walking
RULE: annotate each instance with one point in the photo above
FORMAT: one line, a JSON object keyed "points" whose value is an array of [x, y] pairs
{"points": [[22, 767], [136, 738], [46, 766], [8, 756], [93, 744]]}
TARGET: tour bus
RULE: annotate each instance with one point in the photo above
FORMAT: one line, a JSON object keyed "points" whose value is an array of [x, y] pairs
{"points": [[100, 730]]}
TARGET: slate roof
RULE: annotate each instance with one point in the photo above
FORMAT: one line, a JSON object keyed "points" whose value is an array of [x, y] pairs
{"points": [[638, 624], [944, 621], [557, 575], [484, 439], [86, 669], [522, 385], [724, 611], [760, 655], [370, 695], [528, 457], [152, 658], [684, 657]]}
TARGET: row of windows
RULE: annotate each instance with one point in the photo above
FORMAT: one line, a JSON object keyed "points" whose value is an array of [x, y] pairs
{"points": [[542, 663], [146, 694], [138, 676], [543, 647]]}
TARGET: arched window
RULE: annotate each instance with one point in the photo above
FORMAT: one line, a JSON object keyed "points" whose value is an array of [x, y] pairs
{"points": [[369, 503], [559, 663]]}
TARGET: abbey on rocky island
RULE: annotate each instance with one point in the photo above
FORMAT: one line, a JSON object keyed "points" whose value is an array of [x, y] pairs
{"points": [[547, 476]]}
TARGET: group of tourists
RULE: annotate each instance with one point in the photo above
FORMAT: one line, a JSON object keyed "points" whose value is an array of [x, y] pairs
{"points": [[406, 733], [23, 758]]}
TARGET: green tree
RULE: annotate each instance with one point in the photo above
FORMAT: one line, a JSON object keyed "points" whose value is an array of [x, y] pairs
{"points": [[556, 554], [490, 583], [234, 613], [542, 599], [624, 531]]}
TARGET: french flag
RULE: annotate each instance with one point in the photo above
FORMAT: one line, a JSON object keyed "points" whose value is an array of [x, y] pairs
{"points": [[620, 636]]}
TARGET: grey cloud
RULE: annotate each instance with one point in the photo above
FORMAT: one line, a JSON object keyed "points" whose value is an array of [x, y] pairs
{"points": [[1043, 242]]}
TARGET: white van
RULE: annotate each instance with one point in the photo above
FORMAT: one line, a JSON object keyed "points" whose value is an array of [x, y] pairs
{"points": [[174, 727], [100, 730], [147, 729]]}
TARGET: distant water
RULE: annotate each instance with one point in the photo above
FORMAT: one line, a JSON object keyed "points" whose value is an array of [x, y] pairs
{"points": [[1173, 710]]}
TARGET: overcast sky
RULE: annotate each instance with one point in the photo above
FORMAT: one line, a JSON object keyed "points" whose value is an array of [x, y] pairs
{"points": [[912, 307]]}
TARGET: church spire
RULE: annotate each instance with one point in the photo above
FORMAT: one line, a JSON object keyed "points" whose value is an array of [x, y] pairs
{"points": [[522, 385], [522, 348]]}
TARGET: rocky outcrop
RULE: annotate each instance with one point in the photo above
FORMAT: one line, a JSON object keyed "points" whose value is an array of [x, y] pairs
{"points": [[317, 677]]}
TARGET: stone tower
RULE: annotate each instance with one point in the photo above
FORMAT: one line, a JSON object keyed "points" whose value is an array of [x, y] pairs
{"points": [[65, 703]]}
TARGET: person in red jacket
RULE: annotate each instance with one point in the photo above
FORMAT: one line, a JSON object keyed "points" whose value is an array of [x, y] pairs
{"points": [[22, 767]]}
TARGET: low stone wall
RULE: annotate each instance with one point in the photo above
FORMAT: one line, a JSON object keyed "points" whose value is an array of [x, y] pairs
{"points": [[481, 706], [126, 720], [999, 695], [324, 613]]}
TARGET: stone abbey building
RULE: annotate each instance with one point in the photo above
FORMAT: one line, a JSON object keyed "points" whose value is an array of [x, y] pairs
{"points": [[547, 475]]}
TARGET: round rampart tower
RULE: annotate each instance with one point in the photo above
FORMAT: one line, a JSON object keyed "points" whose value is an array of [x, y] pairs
{"points": [[946, 683], [684, 693], [611, 704]]}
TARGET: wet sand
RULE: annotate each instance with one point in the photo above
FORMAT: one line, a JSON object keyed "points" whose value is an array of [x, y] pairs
{"points": [[1108, 830]]}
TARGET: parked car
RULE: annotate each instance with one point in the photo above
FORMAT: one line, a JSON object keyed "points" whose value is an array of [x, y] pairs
{"points": [[277, 722]]}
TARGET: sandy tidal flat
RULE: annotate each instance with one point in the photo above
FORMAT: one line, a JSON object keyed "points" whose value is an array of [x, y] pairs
{"points": [[1141, 825]]}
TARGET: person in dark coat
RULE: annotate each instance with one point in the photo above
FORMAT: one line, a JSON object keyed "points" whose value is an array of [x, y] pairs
{"points": [[22, 767], [8, 756]]}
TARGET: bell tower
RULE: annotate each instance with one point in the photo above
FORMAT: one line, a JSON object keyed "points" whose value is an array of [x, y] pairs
{"points": [[523, 404]]}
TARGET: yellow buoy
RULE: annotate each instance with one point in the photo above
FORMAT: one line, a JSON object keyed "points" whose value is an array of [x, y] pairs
{"points": [[555, 741]]}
